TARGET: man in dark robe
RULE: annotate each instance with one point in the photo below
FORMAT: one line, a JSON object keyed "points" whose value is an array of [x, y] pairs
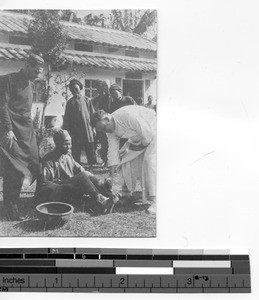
{"points": [[77, 121], [63, 179], [18, 145], [118, 100], [102, 101]]}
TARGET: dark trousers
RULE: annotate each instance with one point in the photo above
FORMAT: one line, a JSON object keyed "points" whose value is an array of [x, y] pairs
{"points": [[12, 183], [75, 187], [78, 146], [102, 138]]}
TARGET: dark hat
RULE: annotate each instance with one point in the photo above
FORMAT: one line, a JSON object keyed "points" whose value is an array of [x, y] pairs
{"points": [[60, 136], [35, 60], [103, 85], [75, 81], [115, 87]]}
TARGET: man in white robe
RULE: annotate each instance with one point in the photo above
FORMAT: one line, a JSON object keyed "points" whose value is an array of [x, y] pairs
{"points": [[137, 157]]}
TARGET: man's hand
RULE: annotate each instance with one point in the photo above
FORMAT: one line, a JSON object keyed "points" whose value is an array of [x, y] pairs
{"points": [[8, 139]]}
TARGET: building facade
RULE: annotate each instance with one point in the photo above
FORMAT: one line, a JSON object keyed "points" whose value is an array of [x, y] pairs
{"points": [[93, 53]]}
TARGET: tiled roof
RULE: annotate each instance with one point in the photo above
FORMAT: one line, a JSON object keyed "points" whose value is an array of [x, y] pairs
{"points": [[21, 52], [17, 23]]}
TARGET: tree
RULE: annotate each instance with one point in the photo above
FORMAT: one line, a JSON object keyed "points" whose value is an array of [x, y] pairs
{"points": [[138, 21], [48, 39], [69, 16], [95, 20], [135, 21]]}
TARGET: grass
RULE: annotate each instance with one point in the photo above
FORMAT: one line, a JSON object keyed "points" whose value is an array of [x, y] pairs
{"points": [[127, 220]]}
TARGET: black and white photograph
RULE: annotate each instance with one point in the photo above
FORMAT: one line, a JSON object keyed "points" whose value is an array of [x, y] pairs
{"points": [[129, 141], [78, 118]]}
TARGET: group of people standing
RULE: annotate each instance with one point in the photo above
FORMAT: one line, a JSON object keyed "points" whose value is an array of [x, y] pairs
{"points": [[125, 130]]}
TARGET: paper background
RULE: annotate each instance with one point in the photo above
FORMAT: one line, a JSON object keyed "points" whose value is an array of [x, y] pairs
{"points": [[208, 133]]}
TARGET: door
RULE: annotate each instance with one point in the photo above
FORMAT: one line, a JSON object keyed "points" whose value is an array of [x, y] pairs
{"points": [[133, 88]]}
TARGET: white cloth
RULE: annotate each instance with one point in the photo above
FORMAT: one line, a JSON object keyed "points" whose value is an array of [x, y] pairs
{"points": [[138, 125]]}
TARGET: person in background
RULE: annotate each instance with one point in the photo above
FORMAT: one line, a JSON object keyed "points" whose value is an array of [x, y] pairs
{"points": [[118, 100], [102, 101], [150, 102], [140, 101], [18, 145], [63, 179], [77, 122], [137, 124]]}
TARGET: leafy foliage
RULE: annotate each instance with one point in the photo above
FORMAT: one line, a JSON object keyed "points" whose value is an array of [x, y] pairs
{"points": [[70, 16], [47, 35], [48, 39]]}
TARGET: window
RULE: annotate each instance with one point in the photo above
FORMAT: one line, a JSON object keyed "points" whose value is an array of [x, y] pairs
{"points": [[19, 40], [132, 53], [135, 75], [118, 81], [147, 84], [83, 47], [112, 49], [91, 88]]}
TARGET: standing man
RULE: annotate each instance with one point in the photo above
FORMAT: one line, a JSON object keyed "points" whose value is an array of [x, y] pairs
{"points": [[77, 121], [150, 102], [18, 141], [118, 100], [102, 101]]}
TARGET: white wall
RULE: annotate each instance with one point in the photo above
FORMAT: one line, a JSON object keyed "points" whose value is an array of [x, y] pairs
{"points": [[83, 73]]}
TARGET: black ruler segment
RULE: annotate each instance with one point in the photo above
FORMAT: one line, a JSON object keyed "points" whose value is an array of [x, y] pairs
{"points": [[189, 257], [239, 257], [27, 262], [54, 270], [10, 256], [216, 257], [87, 256], [136, 256], [203, 271], [36, 256], [61, 256], [166, 257], [114, 256]]}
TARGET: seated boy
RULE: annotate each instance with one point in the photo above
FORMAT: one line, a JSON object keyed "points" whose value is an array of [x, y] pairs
{"points": [[63, 179]]}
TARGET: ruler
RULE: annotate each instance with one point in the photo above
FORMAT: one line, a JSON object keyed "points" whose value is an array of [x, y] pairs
{"points": [[105, 270]]}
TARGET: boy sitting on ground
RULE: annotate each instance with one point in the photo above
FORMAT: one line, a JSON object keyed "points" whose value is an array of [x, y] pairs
{"points": [[63, 179]]}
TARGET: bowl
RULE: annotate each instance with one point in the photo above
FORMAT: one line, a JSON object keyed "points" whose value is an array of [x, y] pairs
{"points": [[55, 212]]}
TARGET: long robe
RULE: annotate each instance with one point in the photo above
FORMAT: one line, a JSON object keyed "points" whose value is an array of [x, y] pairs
{"points": [[77, 118], [77, 122], [16, 95], [137, 124]]}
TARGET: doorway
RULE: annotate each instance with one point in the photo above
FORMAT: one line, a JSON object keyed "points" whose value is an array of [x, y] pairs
{"points": [[133, 88]]}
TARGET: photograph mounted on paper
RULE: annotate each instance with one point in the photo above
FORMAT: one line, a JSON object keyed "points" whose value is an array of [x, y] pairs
{"points": [[78, 96]]}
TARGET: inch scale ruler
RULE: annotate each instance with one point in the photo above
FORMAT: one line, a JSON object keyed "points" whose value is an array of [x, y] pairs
{"points": [[123, 270]]}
